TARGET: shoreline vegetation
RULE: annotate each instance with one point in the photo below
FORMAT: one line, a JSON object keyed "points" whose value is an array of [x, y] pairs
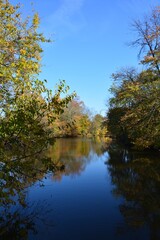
{"points": [[31, 114], [134, 112]]}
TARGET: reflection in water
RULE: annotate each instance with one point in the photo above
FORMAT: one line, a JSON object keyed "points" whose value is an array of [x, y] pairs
{"points": [[73, 155], [136, 178], [21, 168], [81, 198], [17, 222]]}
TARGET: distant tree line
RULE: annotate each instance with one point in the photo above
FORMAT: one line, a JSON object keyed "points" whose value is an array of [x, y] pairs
{"points": [[30, 113], [76, 120], [134, 109]]}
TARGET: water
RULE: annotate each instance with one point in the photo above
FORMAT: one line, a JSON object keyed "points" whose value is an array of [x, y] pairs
{"points": [[91, 194]]}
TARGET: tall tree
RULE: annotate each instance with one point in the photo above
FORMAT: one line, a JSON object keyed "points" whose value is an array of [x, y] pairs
{"points": [[148, 39], [27, 107], [137, 94]]}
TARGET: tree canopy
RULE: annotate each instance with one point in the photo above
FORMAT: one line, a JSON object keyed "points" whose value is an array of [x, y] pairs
{"points": [[27, 107], [77, 120], [136, 94]]}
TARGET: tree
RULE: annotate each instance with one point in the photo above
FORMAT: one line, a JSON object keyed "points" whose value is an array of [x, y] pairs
{"points": [[115, 126], [74, 121], [27, 110], [97, 126], [27, 107], [138, 93], [148, 39]]}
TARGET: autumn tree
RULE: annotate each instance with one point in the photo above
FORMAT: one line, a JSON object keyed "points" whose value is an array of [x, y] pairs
{"points": [[27, 107], [98, 127], [78, 121], [137, 94], [74, 121], [27, 110], [148, 39]]}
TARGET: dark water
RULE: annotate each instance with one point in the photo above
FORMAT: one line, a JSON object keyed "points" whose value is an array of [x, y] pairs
{"points": [[90, 194]]}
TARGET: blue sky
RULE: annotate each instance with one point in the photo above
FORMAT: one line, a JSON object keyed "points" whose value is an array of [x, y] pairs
{"points": [[90, 43]]}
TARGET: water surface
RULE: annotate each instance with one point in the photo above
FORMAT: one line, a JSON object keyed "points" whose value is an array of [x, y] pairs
{"points": [[94, 194]]}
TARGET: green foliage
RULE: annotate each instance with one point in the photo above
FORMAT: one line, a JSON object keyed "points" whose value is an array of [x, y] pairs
{"points": [[74, 121], [27, 107], [115, 125], [98, 127], [77, 120], [136, 95]]}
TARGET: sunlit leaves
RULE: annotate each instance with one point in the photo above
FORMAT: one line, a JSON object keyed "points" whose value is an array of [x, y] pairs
{"points": [[137, 94], [27, 107]]}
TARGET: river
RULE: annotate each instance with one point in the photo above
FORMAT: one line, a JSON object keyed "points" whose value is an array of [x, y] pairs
{"points": [[92, 193]]}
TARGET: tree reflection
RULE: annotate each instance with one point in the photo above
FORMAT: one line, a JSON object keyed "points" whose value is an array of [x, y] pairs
{"points": [[73, 155], [136, 178], [20, 167], [23, 166]]}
